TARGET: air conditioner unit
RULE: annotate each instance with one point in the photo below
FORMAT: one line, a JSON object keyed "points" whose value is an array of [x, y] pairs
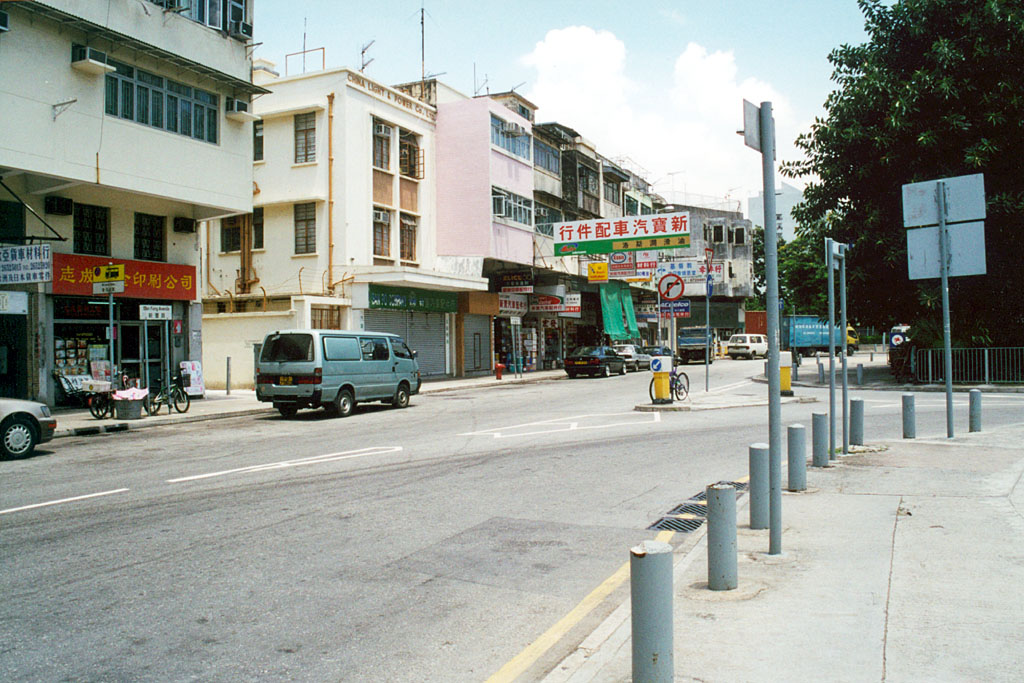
{"points": [[58, 206], [240, 30], [382, 130], [381, 216], [232, 105], [183, 224], [89, 60], [513, 129], [5, 21]]}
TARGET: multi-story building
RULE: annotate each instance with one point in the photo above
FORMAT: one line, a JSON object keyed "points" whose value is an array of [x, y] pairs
{"points": [[344, 232], [123, 126], [786, 199]]}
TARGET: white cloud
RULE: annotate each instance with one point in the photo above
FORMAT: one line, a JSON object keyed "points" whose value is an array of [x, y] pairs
{"points": [[686, 125]]}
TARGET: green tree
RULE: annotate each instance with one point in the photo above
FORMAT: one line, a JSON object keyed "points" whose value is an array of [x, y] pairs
{"points": [[936, 91]]}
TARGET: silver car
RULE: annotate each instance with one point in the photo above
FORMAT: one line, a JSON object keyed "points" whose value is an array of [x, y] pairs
{"points": [[636, 359], [23, 425]]}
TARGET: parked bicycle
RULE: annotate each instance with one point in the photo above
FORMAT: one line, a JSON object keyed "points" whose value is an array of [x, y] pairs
{"points": [[173, 396], [678, 385]]}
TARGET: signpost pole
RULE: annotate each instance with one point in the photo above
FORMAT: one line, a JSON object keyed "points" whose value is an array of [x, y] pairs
{"points": [[829, 262], [842, 336], [110, 334], [657, 275], [709, 254], [145, 353], [940, 198]]}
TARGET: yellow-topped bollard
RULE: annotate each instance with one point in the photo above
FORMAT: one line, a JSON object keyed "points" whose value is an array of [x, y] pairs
{"points": [[785, 373], [661, 367]]}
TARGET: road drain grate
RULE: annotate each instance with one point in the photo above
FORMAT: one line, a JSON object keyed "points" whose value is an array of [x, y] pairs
{"points": [[689, 516]]}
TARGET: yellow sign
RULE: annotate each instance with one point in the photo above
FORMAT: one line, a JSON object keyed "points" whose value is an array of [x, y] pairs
{"points": [[597, 272], [674, 241], [110, 273]]}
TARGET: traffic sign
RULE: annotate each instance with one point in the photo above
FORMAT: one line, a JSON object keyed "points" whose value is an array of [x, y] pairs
{"points": [[671, 287], [115, 287], [108, 273], [675, 309], [154, 312], [896, 339]]}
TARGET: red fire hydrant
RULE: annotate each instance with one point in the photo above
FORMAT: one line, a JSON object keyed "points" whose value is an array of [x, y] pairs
{"points": [[498, 368]]}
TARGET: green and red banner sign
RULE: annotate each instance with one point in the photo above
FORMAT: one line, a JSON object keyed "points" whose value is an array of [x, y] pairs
{"points": [[629, 233]]}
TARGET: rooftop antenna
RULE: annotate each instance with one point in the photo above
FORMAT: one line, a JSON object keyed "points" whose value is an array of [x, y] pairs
{"points": [[513, 88], [303, 44], [423, 53], [478, 88], [362, 56]]}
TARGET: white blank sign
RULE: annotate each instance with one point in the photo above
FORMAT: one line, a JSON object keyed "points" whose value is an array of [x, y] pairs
{"points": [[965, 201], [966, 249]]}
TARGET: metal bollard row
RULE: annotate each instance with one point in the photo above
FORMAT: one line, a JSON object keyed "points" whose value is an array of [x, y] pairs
{"points": [[796, 445], [650, 588], [857, 421], [758, 486], [909, 418]]}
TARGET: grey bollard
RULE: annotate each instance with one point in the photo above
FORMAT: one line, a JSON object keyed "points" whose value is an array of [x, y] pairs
{"points": [[909, 428], [722, 573], [819, 439], [872, 357], [796, 444], [758, 456], [227, 378], [974, 410], [857, 421], [796, 373], [650, 579], [821, 373], [860, 374]]}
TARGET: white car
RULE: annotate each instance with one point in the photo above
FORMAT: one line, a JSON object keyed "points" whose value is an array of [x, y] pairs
{"points": [[23, 424], [747, 346], [634, 355]]}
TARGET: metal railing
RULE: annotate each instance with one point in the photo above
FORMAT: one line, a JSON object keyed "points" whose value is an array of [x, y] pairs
{"points": [[1000, 365]]}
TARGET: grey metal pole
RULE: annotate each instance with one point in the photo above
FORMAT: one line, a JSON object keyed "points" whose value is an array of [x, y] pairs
{"points": [[821, 373], [110, 337], [940, 197], [974, 410], [707, 334], [165, 367], [909, 426], [771, 261], [650, 586], [842, 337], [831, 351], [819, 439], [227, 380], [857, 421], [796, 442], [860, 374], [757, 455], [722, 572], [145, 353]]}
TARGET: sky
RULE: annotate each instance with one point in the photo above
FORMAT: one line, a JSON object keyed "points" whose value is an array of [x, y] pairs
{"points": [[661, 83]]}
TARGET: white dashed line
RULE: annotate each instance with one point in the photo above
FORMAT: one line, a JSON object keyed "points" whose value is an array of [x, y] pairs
{"points": [[62, 500]]}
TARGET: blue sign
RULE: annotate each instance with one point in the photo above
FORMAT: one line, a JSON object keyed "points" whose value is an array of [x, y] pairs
{"points": [[679, 308], [655, 365]]}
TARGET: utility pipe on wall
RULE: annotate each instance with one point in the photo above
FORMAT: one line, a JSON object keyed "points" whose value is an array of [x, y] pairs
{"points": [[330, 190]]}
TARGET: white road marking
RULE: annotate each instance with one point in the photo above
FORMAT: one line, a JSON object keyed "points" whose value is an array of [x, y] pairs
{"points": [[62, 500], [300, 462], [568, 424], [727, 387]]}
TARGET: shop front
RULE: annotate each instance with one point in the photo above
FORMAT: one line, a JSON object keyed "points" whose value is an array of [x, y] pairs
{"points": [[422, 317], [88, 330], [473, 327], [14, 349], [511, 307]]}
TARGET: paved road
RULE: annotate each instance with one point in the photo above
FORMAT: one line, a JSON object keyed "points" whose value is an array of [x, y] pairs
{"points": [[433, 543]]}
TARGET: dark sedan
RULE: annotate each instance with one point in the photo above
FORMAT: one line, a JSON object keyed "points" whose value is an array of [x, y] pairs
{"points": [[594, 360]]}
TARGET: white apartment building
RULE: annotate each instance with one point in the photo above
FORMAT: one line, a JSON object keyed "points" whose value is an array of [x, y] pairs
{"points": [[119, 134], [786, 199], [343, 233]]}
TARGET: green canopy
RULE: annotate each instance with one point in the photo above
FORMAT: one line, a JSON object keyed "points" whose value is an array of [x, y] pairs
{"points": [[627, 305], [611, 311]]}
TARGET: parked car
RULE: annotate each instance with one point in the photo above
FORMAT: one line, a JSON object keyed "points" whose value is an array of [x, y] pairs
{"points": [[594, 360], [662, 351], [23, 425], [635, 356], [335, 369], [747, 346]]}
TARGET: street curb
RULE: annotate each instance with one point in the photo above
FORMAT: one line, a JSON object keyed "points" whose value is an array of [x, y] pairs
{"points": [[648, 408], [153, 422], [924, 388]]}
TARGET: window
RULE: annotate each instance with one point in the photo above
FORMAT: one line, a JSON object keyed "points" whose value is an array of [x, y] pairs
{"points": [[505, 204], [305, 138], [92, 230], [381, 145], [407, 238], [374, 348], [546, 157], [546, 218], [257, 141], [137, 95], [149, 237], [588, 180], [399, 348], [410, 156], [305, 228], [510, 137], [341, 348], [611, 192], [230, 234], [381, 233], [283, 348], [632, 206], [257, 228]]}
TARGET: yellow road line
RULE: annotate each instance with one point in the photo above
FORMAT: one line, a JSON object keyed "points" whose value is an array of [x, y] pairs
{"points": [[521, 662]]}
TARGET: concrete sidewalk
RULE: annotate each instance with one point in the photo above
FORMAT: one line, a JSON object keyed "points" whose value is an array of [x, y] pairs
{"points": [[903, 562]]}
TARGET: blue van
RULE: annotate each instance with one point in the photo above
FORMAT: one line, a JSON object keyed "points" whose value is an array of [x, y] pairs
{"points": [[335, 369]]}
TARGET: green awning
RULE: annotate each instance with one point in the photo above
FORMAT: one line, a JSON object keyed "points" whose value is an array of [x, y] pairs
{"points": [[627, 305], [611, 311]]}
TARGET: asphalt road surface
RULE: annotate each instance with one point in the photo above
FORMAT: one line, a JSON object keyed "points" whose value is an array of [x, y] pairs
{"points": [[432, 543]]}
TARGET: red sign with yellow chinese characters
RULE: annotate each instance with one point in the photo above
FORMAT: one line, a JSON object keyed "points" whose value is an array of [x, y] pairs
{"points": [[73, 274]]}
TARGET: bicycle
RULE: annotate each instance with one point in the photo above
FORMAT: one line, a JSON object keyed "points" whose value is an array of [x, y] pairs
{"points": [[174, 397], [678, 385]]}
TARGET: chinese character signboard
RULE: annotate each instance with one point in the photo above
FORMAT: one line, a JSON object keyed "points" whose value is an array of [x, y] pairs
{"points": [[622, 265], [572, 306], [597, 272], [511, 304], [25, 264], [629, 233], [516, 283], [693, 271], [74, 274], [412, 299], [675, 309]]}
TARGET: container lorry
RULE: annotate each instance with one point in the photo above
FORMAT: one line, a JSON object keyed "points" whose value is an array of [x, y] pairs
{"points": [[807, 334], [691, 344]]}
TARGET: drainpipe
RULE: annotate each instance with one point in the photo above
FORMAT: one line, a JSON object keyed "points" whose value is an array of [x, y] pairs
{"points": [[330, 188], [209, 257]]}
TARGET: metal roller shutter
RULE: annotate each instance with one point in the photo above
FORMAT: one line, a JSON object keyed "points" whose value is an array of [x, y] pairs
{"points": [[423, 332], [476, 342]]}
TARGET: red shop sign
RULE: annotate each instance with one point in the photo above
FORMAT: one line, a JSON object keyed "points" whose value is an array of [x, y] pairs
{"points": [[72, 274]]}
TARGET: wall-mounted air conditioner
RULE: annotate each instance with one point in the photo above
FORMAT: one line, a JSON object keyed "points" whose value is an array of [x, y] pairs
{"points": [[382, 130], [5, 21], [239, 30], [183, 224], [89, 60], [238, 110], [381, 216]]}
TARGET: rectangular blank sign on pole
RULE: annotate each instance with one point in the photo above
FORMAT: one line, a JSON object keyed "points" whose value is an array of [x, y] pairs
{"points": [[965, 201], [966, 251]]}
